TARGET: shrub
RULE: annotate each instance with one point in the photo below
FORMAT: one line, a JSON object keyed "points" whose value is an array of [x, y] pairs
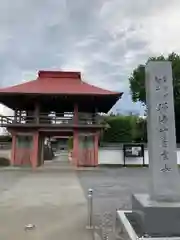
{"points": [[4, 161], [70, 143]]}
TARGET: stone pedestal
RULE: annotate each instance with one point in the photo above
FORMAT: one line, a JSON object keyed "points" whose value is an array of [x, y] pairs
{"points": [[156, 218]]}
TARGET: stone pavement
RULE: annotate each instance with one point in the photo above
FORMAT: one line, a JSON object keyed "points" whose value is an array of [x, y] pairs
{"points": [[113, 188], [51, 199]]}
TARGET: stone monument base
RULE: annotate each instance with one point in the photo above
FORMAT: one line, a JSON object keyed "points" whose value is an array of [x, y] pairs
{"points": [[156, 218]]}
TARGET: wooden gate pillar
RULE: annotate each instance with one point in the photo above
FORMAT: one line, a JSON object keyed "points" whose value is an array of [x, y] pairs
{"points": [[96, 148], [13, 149], [35, 154], [75, 137], [75, 147]]}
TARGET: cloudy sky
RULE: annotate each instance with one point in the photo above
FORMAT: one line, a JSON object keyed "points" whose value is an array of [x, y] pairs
{"points": [[105, 39]]}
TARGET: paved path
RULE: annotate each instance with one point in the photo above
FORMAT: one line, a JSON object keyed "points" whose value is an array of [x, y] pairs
{"points": [[113, 189], [51, 199]]}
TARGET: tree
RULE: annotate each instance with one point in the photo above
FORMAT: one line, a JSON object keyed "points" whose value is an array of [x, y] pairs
{"points": [[120, 129], [137, 85], [141, 130]]}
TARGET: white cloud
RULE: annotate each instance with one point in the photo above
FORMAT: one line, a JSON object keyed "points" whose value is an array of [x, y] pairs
{"points": [[163, 33], [105, 39]]}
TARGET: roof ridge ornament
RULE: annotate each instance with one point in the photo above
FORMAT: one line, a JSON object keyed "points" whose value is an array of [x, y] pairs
{"points": [[59, 74]]}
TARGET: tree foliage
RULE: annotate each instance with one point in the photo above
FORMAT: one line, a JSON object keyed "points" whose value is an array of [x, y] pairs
{"points": [[122, 129], [137, 78], [5, 138], [141, 130], [70, 143], [137, 84]]}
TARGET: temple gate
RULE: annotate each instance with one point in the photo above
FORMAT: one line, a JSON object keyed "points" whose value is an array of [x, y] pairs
{"points": [[57, 103]]}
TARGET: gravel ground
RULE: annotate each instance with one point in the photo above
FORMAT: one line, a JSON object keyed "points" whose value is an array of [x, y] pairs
{"points": [[113, 188]]}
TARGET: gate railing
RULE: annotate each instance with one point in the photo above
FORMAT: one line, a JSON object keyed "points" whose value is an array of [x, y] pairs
{"points": [[59, 119]]}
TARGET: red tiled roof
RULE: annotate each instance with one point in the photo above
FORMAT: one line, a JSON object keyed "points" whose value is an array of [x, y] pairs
{"points": [[57, 82]]}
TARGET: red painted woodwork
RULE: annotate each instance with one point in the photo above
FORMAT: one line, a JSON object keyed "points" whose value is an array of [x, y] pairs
{"points": [[96, 148], [75, 148], [54, 91], [13, 148], [87, 151], [50, 82], [35, 150], [23, 157], [87, 157]]}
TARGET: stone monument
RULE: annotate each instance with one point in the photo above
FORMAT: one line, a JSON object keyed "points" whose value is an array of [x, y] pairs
{"points": [[159, 211]]}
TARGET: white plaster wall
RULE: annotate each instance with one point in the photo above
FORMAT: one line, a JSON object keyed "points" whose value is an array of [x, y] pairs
{"points": [[178, 156], [115, 156], [110, 156], [5, 153]]}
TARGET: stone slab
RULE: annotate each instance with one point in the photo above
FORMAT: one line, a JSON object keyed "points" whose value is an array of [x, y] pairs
{"points": [[157, 218], [161, 132], [124, 229]]}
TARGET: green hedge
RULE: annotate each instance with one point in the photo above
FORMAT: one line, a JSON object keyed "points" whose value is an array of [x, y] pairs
{"points": [[124, 129], [4, 162], [120, 129], [70, 143], [7, 138]]}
